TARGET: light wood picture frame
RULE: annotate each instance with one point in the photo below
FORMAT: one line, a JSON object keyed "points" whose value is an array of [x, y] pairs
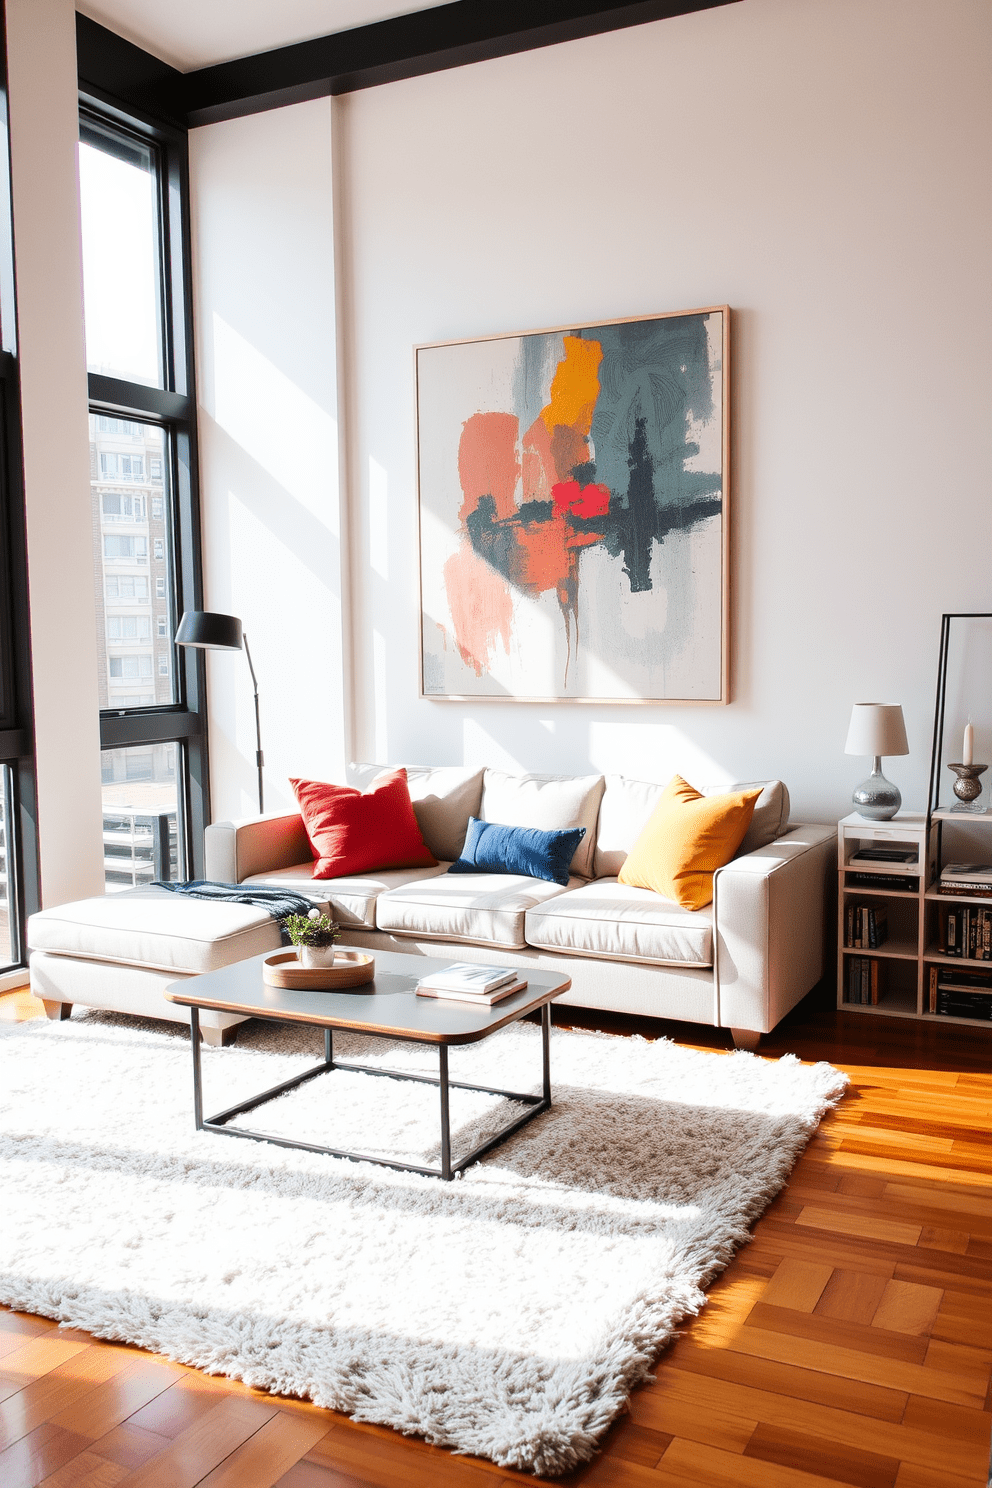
{"points": [[574, 492]]}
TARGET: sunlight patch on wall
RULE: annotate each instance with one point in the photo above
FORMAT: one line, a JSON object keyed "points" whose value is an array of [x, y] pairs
{"points": [[281, 427]]}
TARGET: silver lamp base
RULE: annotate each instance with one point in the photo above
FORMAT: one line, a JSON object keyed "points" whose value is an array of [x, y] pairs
{"points": [[876, 798]]}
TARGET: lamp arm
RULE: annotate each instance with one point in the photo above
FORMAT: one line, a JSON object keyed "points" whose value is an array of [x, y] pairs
{"points": [[259, 756]]}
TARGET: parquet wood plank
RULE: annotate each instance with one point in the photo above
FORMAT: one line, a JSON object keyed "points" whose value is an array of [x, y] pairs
{"points": [[797, 1285], [36, 1455], [970, 1202], [912, 1476], [852, 1296], [312, 1475], [174, 1410], [859, 1336], [788, 1381], [864, 1226], [86, 1471], [961, 1358], [709, 1467], [907, 1307], [807, 1454], [957, 1421], [958, 1388], [933, 1237], [105, 1407], [927, 1271], [129, 1446], [35, 1358], [25, 1323], [889, 1438], [696, 1423], [382, 1459], [953, 1328], [194, 1452], [53, 1391], [942, 1159], [266, 1456], [898, 1167], [627, 1442]]}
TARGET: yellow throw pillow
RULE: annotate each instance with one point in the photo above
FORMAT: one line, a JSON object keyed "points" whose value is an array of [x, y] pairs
{"points": [[687, 837]]}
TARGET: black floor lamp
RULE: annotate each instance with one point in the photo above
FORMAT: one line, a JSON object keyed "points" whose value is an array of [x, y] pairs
{"points": [[212, 632]]}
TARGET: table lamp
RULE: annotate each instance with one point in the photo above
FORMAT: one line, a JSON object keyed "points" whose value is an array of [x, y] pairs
{"points": [[212, 632], [877, 729]]}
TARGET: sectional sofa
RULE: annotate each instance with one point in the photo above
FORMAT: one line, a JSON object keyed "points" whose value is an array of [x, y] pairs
{"points": [[741, 963]]}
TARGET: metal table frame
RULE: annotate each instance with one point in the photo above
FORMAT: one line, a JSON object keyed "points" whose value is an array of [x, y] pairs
{"points": [[447, 1170]]}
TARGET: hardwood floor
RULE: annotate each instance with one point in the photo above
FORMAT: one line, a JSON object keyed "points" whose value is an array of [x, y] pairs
{"points": [[849, 1343]]}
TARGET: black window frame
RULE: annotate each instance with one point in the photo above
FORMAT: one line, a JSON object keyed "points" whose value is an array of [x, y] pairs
{"points": [[173, 409]]}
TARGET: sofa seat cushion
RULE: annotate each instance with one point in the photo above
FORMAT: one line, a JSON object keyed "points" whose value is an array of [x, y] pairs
{"points": [[484, 908], [606, 918], [350, 901], [151, 927]]}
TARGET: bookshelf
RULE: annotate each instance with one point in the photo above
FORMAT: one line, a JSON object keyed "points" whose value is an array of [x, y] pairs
{"points": [[912, 904]]}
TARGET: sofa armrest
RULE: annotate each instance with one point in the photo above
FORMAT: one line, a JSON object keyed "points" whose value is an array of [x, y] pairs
{"points": [[769, 911], [234, 850]]}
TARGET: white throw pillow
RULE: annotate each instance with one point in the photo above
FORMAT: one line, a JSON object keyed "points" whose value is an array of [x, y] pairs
{"points": [[549, 802]]}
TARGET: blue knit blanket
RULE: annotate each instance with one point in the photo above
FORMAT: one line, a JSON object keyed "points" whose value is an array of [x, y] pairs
{"points": [[278, 902]]}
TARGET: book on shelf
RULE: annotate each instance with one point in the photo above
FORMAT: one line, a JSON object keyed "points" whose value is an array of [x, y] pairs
{"points": [[964, 1005], [892, 882], [886, 855], [867, 927], [486, 999], [865, 981], [966, 932], [967, 879]]}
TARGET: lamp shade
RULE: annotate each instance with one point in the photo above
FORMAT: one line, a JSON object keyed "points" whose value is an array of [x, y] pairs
{"points": [[877, 729], [209, 631]]}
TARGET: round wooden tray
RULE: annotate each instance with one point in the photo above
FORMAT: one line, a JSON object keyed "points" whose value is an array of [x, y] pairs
{"points": [[350, 969]]}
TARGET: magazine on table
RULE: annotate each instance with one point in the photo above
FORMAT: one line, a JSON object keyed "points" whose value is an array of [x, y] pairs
{"points": [[464, 982]]}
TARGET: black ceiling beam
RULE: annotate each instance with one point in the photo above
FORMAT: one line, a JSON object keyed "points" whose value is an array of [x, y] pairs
{"points": [[110, 67], [405, 46]]}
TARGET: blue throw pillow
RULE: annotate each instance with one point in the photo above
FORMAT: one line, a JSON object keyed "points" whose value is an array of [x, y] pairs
{"points": [[492, 848]]}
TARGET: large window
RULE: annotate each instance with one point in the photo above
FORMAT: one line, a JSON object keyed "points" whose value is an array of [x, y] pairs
{"points": [[145, 518]]}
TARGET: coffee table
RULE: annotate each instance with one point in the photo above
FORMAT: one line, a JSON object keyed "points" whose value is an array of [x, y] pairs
{"points": [[389, 1008]]}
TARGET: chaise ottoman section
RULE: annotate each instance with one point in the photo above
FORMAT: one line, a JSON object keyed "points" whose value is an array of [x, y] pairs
{"points": [[120, 951]]}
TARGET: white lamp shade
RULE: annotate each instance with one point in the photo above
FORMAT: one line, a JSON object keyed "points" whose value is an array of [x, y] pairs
{"points": [[877, 728]]}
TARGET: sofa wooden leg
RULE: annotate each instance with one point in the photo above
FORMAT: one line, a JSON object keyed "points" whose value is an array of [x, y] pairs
{"points": [[745, 1038], [58, 1011], [219, 1038]]}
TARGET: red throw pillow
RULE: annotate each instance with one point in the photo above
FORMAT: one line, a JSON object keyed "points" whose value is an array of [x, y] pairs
{"points": [[351, 831]]}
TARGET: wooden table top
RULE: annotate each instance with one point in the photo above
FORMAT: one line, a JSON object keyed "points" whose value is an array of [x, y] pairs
{"points": [[388, 1005]]}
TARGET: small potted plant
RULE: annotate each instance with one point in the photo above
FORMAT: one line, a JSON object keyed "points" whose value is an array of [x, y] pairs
{"points": [[314, 936]]}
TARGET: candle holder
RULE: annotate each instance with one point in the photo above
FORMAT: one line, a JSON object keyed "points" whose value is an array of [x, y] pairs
{"points": [[968, 787]]}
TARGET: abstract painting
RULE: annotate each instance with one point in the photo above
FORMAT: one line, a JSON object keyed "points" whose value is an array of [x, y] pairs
{"points": [[573, 513]]}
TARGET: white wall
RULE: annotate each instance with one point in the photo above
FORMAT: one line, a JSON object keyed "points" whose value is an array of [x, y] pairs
{"points": [[822, 166], [263, 251], [44, 127]]}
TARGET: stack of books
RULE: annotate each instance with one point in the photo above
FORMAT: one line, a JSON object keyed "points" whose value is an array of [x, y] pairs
{"points": [[971, 880], [961, 994], [890, 882], [867, 926], [966, 932], [463, 982], [865, 980]]}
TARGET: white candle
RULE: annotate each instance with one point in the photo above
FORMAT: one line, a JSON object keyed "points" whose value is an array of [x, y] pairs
{"points": [[967, 753]]}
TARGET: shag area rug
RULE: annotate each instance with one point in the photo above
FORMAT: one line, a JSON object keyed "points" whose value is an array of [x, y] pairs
{"points": [[506, 1314]]}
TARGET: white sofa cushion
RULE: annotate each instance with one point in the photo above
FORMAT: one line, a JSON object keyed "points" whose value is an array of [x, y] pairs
{"points": [[350, 901], [155, 928], [443, 800], [627, 804], [485, 908], [608, 919], [550, 802]]}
